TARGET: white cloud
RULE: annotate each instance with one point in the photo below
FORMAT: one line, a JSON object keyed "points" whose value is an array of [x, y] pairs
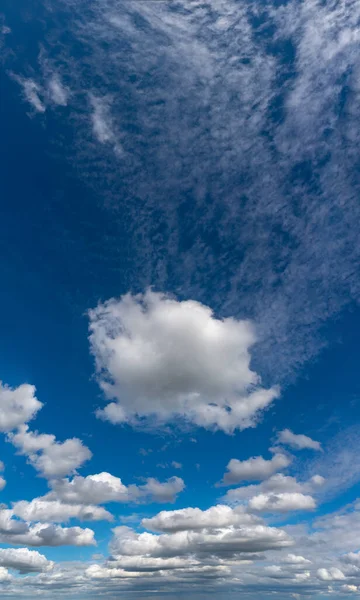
{"points": [[104, 487], [352, 558], [16, 532], [220, 541], [17, 406], [4, 575], [281, 502], [54, 511], [297, 441], [349, 588], [32, 92], [176, 465], [254, 469], [161, 358], [25, 560], [45, 534], [59, 94], [332, 574], [276, 484], [295, 559], [193, 518], [50, 457], [101, 120]]}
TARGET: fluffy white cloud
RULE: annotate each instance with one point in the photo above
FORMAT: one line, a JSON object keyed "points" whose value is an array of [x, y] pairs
{"points": [[281, 502], [160, 359], [50, 457], [4, 575], [222, 541], [104, 487], [191, 532], [15, 532], [51, 535], [254, 469], [17, 406], [24, 560], [349, 588], [54, 511], [332, 574], [297, 441], [277, 484], [194, 518]]}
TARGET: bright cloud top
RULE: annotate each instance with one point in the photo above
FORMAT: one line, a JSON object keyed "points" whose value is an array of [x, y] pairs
{"points": [[161, 358]]}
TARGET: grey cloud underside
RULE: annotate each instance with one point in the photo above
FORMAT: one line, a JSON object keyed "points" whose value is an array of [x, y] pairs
{"points": [[227, 134]]}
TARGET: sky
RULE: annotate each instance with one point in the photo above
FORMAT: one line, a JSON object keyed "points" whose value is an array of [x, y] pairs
{"points": [[179, 299]]}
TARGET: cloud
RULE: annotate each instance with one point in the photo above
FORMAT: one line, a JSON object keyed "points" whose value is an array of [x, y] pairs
{"points": [[193, 518], [352, 558], [54, 511], [163, 359], [58, 93], [349, 588], [45, 534], [16, 532], [297, 441], [254, 469], [332, 574], [225, 541], [281, 502], [176, 465], [25, 560], [101, 120], [104, 487], [17, 406], [294, 559], [4, 575], [50, 457], [32, 93], [276, 484]]}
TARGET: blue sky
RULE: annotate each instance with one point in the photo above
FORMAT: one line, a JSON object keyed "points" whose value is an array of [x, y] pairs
{"points": [[179, 309]]}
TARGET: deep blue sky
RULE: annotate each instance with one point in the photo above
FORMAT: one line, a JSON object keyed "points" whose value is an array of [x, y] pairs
{"points": [[210, 152]]}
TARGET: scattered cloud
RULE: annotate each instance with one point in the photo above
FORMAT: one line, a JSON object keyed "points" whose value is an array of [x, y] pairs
{"points": [[48, 456], [17, 406], [58, 93], [297, 441]]}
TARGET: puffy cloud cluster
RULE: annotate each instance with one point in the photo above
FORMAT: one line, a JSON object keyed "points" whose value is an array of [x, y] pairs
{"points": [[54, 511], [16, 532], [220, 532], [24, 560], [17, 406], [162, 359], [276, 493], [48, 456], [194, 519], [104, 487]]}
